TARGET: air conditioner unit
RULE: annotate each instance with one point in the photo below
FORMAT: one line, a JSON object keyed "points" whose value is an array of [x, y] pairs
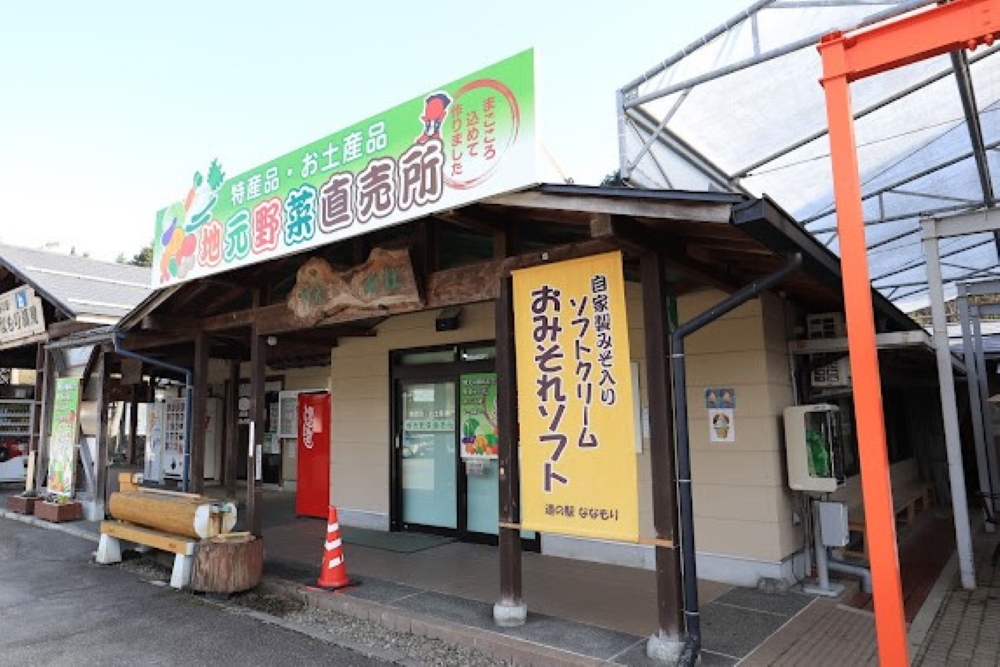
{"points": [[825, 325], [838, 373]]}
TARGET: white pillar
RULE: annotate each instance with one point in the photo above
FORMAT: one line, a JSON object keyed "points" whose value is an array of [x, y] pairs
{"points": [[949, 407]]}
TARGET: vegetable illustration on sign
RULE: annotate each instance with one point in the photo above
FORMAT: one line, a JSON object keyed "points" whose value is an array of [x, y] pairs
{"points": [[471, 139], [181, 220], [480, 437]]}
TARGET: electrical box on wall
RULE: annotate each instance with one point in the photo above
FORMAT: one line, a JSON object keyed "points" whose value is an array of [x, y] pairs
{"points": [[812, 442]]}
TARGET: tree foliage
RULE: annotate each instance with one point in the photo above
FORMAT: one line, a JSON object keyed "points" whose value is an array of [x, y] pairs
{"points": [[142, 258]]}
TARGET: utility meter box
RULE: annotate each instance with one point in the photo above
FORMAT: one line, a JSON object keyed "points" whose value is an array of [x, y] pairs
{"points": [[812, 447]]}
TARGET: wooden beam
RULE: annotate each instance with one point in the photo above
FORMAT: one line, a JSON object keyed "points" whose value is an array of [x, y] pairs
{"points": [[232, 437], [651, 208], [64, 328], [133, 426], [100, 464], [453, 287], [258, 366], [510, 485], [669, 600], [144, 340], [481, 282], [601, 226], [680, 263], [476, 224], [199, 412]]}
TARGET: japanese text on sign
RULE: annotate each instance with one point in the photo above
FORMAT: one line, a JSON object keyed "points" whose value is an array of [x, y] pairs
{"points": [[575, 414], [20, 315], [472, 138]]}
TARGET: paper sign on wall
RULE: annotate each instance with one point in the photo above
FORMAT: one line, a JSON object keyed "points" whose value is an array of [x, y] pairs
{"points": [[721, 406]]}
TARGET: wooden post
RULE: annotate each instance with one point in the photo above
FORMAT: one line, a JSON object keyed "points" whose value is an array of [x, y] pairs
{"points": [[661, 452], [133, 424], [509, 610], [101, 457], [41, 377], [196, 474], [258, 360], [39, 442], [232, 428]]}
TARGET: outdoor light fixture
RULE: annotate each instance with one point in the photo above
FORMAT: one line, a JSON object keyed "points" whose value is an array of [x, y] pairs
{"points": [[448, 319], [272, 341]]}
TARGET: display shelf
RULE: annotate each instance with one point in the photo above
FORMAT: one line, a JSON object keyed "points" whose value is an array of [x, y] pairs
{"points": [[16, 418]]}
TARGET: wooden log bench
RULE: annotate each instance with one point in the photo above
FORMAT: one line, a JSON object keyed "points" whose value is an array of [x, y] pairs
{"points": [[164, 520], [109, 548], [910, 494]]}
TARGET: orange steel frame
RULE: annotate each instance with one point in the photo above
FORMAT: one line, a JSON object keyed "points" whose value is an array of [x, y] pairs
{"points": [[848, 57]]}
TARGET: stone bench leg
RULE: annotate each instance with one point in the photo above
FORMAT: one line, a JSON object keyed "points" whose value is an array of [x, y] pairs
{"points": [[109, 550], [180, 577]]}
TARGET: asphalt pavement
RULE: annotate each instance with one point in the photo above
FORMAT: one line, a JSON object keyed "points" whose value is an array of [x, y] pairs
{"points": [[57, 607]]}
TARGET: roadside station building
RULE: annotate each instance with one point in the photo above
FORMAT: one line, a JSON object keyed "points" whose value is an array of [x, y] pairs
{"points": [[383, 292], [45, 298]]}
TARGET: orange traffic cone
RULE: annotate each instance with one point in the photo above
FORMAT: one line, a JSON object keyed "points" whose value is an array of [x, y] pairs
{"points": [[334, 573]]}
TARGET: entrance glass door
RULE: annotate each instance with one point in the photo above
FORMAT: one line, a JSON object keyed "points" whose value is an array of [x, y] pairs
{"points": [[445, 469], [479, 449], [427, 454]]}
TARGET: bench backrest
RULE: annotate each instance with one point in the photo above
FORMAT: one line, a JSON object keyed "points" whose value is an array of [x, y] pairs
{"points": [[902, 473]]}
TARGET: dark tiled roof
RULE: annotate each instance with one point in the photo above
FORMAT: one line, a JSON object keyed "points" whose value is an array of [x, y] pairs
{"points": [[85, 289]]}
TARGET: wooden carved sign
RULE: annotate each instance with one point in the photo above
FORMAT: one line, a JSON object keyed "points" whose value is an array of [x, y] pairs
{"points": [[386, 280]]}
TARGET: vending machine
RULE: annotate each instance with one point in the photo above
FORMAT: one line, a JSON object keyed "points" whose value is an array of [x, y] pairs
{"points": [[173, 412], [165, 440], [153, 460], [313, 454]]}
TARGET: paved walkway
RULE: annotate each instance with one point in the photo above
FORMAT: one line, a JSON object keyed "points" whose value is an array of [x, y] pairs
{"points": [[588, 614], [966, 631]]}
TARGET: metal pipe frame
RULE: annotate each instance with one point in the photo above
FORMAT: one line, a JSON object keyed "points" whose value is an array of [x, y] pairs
{"points": [[986, 471], [847, 58], [979, 365], [949, 407]]}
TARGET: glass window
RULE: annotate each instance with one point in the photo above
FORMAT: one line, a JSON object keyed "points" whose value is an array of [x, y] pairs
{"points": [[445, 356], [479, 353], [428, 454]]}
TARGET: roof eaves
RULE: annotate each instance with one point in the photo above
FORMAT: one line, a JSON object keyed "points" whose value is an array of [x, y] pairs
{"points": [[765, 221]]}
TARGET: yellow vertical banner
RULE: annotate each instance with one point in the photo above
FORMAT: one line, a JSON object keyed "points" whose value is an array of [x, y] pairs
{"points": [[574, 399]]}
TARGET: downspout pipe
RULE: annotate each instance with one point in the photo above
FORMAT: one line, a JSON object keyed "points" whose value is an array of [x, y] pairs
{"points": [[188, 396], [738, 298]]}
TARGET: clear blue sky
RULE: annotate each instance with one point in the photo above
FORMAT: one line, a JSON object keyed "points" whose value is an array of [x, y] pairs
{"points": [[108, 107]]}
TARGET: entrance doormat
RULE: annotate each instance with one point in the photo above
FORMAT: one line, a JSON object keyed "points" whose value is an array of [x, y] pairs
{"points": [[403, 543]]}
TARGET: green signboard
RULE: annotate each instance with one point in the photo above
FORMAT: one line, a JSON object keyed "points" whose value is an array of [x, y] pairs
{"points": [[465, 141], [64, 436]]}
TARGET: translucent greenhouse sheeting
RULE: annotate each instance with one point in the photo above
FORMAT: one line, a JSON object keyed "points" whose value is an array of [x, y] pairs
{"points": [[741, 109]]}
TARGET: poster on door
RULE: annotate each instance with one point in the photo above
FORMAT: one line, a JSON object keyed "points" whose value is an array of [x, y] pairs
{"points": [[478, 415], [575, 403]]}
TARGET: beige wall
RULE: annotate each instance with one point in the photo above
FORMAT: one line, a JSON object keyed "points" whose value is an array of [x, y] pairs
{"points": [[741, 502], [359, 385], [742, 505], [299, 379]]}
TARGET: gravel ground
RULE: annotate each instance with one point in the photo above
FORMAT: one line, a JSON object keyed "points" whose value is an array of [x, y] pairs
{"points": [[365, 636]]}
